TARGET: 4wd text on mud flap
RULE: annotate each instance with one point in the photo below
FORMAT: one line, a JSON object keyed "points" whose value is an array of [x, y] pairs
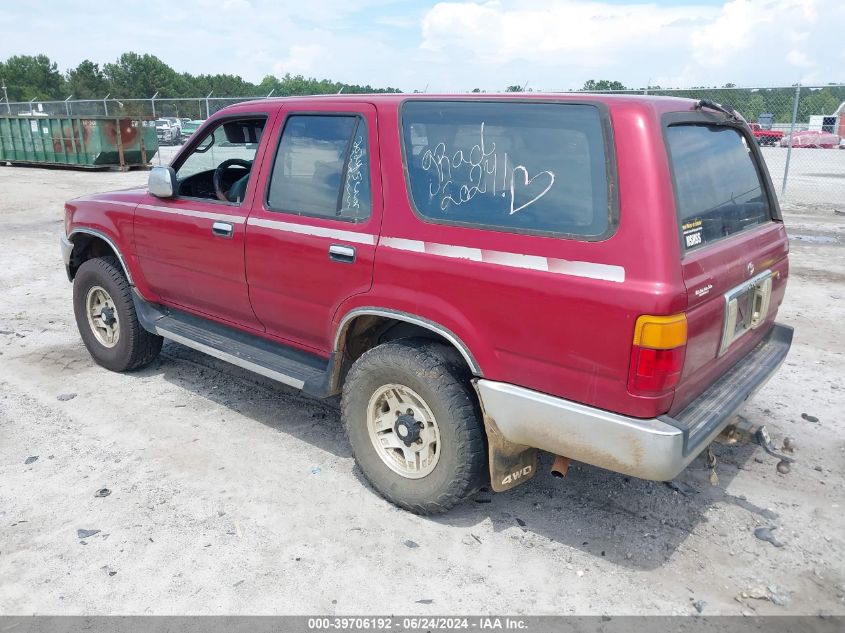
{"points": [[519, 474]]}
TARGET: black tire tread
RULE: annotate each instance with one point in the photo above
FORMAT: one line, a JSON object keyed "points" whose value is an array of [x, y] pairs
{"points": [[144, 346], [441, 366]]}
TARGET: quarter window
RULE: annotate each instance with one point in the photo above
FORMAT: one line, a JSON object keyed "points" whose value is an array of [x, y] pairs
{"points": [[322, 168], [717, 183], [518, 167]]}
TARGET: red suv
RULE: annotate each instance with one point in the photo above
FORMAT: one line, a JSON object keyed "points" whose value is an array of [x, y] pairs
{"points": [[480, 277]]}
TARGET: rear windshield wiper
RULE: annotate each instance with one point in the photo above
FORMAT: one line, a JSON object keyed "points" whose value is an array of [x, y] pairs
{"points": [[712, 105]]}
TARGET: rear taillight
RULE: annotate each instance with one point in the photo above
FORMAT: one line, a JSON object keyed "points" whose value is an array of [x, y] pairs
{"points": [[657, 355]]}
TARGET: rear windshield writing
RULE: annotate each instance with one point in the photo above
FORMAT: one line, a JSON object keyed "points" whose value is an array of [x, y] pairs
{"points": [[717, 185], [535, 168]]}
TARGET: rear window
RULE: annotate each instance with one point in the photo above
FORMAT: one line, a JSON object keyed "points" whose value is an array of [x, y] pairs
{"points": [[717, 184], [518, 167]]}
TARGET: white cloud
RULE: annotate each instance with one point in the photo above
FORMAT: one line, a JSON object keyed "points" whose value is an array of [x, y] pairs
{"points": [[799, 58], [743, 41], [302, 59], [454, 45]]}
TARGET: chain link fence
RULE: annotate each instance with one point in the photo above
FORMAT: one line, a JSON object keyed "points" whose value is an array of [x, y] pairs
{"points": [[801, 128], [801, 131], [194, 108]]}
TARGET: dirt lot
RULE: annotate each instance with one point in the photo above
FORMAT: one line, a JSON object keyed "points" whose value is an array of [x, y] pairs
{"points": [[231, 494], [816, 176]]}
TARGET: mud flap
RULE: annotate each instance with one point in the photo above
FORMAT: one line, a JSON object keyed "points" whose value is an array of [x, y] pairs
{"points": [[510, 464]]}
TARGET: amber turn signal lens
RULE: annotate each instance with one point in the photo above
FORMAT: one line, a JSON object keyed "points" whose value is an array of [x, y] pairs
{"points": [[661, 332]]}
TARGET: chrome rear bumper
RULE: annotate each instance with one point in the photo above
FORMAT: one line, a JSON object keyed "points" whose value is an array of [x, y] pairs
{"points": [[655, 448]]}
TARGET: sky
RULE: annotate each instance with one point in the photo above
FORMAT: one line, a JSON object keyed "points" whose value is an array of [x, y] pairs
{"points": [[454, 45]]}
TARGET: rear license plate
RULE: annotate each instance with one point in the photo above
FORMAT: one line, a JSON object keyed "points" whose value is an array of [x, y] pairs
{"points": [[746, 307]]}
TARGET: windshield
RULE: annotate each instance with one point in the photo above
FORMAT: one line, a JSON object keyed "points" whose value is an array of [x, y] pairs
{"points": [[230, 139], [718, 187], [162, 124]]}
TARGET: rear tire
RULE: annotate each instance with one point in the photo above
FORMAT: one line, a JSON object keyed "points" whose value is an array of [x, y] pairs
{"points": [[105, 316], [421, 386]]}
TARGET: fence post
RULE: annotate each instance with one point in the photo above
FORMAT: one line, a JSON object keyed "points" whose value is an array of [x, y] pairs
{"points": [[153, 102], [791, 138], [207, 111]]}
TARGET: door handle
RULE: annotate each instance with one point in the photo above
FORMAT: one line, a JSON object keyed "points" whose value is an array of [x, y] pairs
{"points": [[344, 254], [223, 229]]}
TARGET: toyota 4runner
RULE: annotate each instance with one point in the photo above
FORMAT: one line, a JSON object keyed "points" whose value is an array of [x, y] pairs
{"points": [[479, 277]]}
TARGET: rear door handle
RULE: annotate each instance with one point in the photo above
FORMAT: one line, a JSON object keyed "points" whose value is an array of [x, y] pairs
{"points": [[223, 229], [344, 254]]}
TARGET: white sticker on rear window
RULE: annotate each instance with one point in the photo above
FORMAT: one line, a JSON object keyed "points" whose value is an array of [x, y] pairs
{"points": [[692, 233]]}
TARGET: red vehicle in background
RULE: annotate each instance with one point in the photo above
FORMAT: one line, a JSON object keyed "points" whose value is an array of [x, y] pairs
{"points": [[480, 277], [764, 136]]}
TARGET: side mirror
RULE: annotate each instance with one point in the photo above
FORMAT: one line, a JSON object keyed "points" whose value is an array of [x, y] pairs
{"points": [[161, 182]]}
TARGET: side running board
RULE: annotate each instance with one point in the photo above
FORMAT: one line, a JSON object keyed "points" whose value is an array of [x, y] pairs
{"points": [[285, 364]]}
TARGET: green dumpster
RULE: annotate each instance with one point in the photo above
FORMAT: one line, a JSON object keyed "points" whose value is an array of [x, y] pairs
{"points": [[85, 142]]}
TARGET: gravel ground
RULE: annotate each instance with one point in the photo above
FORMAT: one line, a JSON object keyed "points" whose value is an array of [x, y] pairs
{"points": [[816, 176], [231, 494]]}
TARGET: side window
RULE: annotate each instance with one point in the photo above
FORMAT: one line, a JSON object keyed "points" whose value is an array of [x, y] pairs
{"points": [[322, 168], [519, 167]]}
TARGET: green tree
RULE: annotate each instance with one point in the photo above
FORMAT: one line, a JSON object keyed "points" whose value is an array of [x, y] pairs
{"points": [[86, 81], [29, 77], [814, 102], [591, 85], [513, 88], [140, 76]]}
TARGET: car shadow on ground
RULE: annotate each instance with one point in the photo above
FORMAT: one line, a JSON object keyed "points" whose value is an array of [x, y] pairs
{"points": [[631, 522], [273, 404]]}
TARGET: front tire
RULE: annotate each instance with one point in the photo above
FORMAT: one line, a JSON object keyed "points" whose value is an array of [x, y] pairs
{"points": [[105, 316], [414, 425]]}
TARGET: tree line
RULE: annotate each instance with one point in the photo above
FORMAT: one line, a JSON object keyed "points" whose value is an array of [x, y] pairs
{"points": [[140, 76], [750, 102]]}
